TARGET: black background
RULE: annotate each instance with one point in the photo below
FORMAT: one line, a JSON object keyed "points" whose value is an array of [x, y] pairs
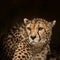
{"points": [[13, 11]]}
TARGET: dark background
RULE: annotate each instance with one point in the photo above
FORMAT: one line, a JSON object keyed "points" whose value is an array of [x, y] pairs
{"points": [[13, 11]]}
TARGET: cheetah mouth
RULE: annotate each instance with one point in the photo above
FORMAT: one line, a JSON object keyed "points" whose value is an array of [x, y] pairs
{"points": [[33, 42]]}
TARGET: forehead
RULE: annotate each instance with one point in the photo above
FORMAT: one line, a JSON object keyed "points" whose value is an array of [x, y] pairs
{"points": [[39, 23]]}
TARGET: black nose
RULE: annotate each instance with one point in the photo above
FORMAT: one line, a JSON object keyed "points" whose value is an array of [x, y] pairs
{"points": [[33, 37]]}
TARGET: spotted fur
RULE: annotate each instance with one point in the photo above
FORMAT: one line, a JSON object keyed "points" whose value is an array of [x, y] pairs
{"points": [[30, 41]]}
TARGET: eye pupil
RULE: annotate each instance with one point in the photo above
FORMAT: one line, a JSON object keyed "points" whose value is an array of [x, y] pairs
{"points": [[40, 28]]}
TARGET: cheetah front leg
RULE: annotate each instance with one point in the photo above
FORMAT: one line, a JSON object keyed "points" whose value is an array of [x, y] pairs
{"points": [[43, 54]]}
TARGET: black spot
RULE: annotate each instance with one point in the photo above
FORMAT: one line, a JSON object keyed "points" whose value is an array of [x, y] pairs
{"points": [[10, 44], [15, 54], [25, 53], [18, 56], [28, 49], [23, 56], [42, 56], [17, 39], [21, 37], [37, 55], [42, 52], [23, 50], [19, 49], [19, 53], [28, 52], [20, 46]]}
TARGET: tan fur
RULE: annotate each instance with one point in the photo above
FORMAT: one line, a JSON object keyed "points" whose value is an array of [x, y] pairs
{"points": [[30, 41], [39, 46]]}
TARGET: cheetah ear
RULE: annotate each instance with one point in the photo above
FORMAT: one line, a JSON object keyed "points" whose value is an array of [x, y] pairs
{"points": [[53, 23], [26, 21]]}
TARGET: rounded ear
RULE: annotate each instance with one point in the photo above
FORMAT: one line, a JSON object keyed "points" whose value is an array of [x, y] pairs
{"points": [[26, 21], [52, 23]]}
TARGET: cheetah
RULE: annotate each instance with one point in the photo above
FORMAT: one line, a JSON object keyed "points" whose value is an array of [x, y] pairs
{"points": [[30, 41]]}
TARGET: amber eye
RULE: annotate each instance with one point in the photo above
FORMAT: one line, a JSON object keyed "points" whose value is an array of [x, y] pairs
{"points": [[28, 28], [40, 28]]}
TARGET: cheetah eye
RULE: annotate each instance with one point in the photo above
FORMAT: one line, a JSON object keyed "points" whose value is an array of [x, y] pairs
{"points": [[28, 28], [40, 28]]}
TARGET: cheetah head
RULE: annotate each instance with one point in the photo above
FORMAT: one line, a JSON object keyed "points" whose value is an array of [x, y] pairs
{"points": [[38, 29]]}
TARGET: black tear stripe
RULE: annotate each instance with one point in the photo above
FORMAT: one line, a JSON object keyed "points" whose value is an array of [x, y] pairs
{"points": [[39, 36]]}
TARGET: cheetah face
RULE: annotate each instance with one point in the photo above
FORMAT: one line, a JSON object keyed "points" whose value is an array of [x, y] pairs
{"points": [[38, 30]]}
